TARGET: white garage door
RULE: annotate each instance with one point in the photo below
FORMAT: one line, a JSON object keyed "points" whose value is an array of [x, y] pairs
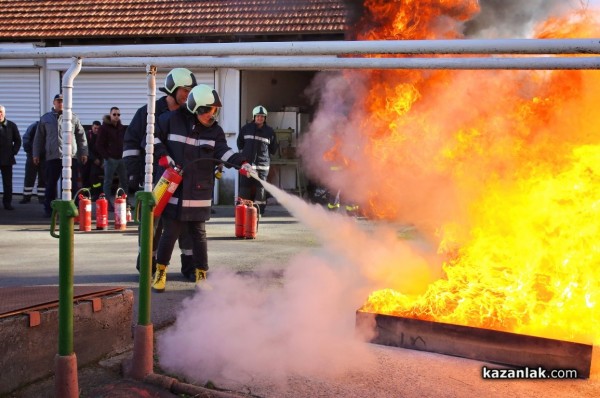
{"points": [[20, 95], [94, 93]]}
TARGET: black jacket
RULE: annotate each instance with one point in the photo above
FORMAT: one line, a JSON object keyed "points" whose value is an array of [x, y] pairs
{"points": [[257, 144], [29, 136], [10, 142], [197, 149], [134, 141]]}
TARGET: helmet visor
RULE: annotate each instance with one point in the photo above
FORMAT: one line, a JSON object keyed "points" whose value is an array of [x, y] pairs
{"points": [[212, 110]]}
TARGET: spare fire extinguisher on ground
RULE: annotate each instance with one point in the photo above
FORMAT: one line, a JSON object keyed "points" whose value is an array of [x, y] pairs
{"points": [[251, 220], [101, 212], [246, 219], [120, 210], [240, 217], [85, 211], [166, 187]]}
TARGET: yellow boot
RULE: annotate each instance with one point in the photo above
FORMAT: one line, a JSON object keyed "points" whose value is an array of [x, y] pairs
{"points": [[160, 278], [201, 282]]}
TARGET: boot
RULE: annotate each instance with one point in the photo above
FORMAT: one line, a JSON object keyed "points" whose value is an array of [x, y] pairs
{"points": [[26, 199], [160, 278], [201, 282]]}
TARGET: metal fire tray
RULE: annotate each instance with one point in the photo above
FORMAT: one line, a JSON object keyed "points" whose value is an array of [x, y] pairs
{"points": [[474, 343]]}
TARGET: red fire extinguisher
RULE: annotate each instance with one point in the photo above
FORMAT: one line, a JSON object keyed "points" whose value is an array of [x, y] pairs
{"points": [[165, 187], [120, 210], [251, 220], [85, 212], [240, 217], [101, 212]]}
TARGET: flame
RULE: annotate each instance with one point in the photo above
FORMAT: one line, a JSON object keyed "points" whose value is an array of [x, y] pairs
{"points": [[500, 168]]}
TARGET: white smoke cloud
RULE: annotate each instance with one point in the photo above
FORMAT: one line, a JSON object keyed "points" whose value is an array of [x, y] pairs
{"points": [[248, 328], [517, 18]]}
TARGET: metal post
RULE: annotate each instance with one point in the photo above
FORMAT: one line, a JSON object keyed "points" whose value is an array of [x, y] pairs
{"points": [[66, 382], [143, 345]]}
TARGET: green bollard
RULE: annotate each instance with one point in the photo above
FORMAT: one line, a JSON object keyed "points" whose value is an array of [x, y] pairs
{"points": [[147, 202], [66, 212]]}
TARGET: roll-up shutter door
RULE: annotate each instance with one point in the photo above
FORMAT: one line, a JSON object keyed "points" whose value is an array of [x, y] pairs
{"points": [[94, 93], [20, 95]]}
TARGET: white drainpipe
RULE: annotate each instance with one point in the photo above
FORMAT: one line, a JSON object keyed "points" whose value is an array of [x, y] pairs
{"points": [[67, 126]]}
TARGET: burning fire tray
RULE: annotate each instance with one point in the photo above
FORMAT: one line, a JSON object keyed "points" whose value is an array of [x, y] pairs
{"points": [[474, 343]]}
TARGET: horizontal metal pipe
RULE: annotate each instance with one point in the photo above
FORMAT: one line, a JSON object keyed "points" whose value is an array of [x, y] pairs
{"points": [[462, 46], [332, 63]]}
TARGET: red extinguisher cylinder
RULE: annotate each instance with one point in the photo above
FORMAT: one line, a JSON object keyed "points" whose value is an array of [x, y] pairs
{"points": [[251, 221], [240, 218], [121, 211], [166, 187], [85, 213], [102, 212]]}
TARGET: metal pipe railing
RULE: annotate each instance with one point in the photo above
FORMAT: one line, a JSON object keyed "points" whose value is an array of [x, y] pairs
{"points": [[456, 46], [333, 63]]}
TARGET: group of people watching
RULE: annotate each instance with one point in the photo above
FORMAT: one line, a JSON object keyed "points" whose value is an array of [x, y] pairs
{"points": [[187, 134], [96, 155]]}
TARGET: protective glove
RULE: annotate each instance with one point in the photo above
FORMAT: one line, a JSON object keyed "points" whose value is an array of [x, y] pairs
{"points": [[166, 161], [219, 172], [246, 169]]}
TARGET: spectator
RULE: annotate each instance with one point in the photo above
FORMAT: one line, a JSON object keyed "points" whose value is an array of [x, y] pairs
{"points": [[10, 143], [48, 139], [257, 142], [32, 171], [109, 146], [93, 171]]}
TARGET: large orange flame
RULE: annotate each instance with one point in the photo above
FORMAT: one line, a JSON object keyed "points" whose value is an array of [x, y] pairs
{"points": [[500, 168]]}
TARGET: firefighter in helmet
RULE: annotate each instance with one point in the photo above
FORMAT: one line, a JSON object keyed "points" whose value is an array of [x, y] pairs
{"points": [[178, 84], [191, 138], [257, 142]]}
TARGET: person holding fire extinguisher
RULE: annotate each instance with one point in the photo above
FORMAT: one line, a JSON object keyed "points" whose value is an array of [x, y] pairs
{"points": [[178, 84], [191, 139], [257, 142]]}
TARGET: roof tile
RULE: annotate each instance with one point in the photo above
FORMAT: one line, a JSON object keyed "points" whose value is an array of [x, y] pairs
{"points": [[79, 19]]}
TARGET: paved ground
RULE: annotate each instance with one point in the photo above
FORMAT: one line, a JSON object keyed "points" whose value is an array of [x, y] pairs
{"points": [[278, 323]]}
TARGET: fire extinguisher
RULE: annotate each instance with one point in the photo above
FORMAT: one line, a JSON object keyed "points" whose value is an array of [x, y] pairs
{"points": [[129, 216], [120, 210], [85, 212], [165, 187], [240, 217], [251, 220], [101, 212]]}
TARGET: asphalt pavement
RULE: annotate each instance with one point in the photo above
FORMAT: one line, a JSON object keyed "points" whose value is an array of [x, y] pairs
{"points": [[279, 322]]}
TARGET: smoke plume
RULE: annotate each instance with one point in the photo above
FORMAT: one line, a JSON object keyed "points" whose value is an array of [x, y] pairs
{"points": [[513, 18]]}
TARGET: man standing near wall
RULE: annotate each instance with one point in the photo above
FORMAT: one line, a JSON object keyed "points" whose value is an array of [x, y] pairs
{"points": [[10, 143], [48, 139], [109, 145], [32, 172]]}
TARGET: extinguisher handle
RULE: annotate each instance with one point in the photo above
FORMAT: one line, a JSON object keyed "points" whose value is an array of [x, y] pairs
{"points": [[137, 211], [53, 225]]}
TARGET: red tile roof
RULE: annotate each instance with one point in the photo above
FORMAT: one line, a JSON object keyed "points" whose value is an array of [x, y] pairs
{"points": [[81, 19]]}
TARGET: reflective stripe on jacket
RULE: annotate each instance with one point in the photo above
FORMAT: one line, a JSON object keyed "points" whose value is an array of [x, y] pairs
{"points": [[197, 149]]}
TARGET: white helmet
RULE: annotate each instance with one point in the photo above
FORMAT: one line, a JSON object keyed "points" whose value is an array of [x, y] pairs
{"points": [[202, 99], [259, 110], [178, 77]]}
